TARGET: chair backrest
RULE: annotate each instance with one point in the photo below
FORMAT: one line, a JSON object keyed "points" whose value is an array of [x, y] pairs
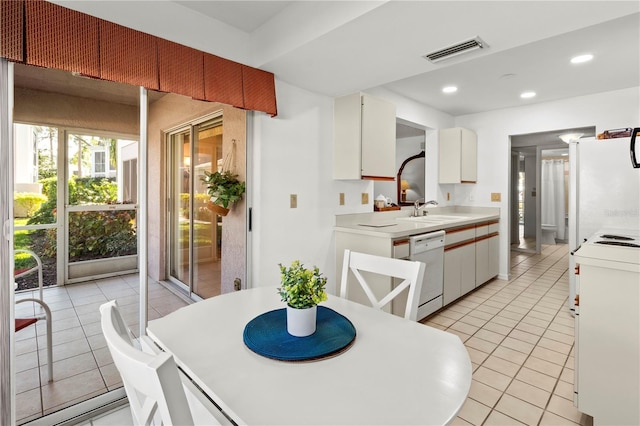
{"points": [[152, 382], [36, 268], [411, 272]]}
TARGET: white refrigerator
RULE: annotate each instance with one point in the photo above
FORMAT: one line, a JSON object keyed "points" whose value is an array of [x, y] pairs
{"points": [[604, 192]]}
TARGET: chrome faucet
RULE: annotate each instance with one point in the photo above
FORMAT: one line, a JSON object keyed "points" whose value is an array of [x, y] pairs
{"points": [[417, 207]]}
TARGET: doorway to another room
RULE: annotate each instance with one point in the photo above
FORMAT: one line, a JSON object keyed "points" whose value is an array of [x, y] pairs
{"points": [[539, 189]]}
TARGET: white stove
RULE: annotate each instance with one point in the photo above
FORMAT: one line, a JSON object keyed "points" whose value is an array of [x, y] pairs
{"points": [[612, 245], [607, 327]]}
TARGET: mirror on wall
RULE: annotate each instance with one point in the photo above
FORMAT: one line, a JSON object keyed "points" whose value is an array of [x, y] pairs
{"points": [[410, 180], [410, 155]]}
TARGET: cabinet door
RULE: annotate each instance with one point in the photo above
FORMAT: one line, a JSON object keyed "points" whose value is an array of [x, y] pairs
{"points": [[347, 112], [452, 276], [467, 268], [457, 156], [378, 138], [449, 152], [468, 158], [494, 256], [482, 261]]}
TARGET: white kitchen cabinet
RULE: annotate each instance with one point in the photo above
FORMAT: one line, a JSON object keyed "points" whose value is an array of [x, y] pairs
{"points": [[364, 140], [459, 263], [487, 252], [459, 272], [457, 155], [494, 256]]}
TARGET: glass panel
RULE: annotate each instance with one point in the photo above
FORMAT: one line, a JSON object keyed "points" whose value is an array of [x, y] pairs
{"points": [[35, 174], [35, 171], [96, 168], [180, 184], [102, 234], [207, 226]]}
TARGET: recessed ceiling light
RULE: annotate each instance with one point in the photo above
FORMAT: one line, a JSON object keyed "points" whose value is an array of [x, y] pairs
{"points": [[581, 58], [527, 95], [449, 89]]}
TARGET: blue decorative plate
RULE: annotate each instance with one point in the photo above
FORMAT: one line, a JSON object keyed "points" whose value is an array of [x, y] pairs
{"points": [[267, 335]]}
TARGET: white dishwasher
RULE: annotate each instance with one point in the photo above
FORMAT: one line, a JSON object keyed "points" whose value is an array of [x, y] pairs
{"points": [[429, 249]]}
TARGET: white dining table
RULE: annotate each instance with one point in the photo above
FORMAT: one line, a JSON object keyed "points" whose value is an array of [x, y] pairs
{"points": [[396, 372]]}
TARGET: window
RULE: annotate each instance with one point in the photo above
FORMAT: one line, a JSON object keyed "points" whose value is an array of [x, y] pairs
{"points": [[99, 163]]}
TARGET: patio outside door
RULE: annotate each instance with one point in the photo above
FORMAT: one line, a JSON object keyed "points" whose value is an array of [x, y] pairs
{"points": [[194, 231]]}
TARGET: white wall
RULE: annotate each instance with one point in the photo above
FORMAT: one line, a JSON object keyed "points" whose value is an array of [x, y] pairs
{"points": [[609, 110], [293, 155]]}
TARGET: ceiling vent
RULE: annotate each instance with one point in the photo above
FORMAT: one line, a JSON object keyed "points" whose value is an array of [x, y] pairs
{"points": [[456, 49]]}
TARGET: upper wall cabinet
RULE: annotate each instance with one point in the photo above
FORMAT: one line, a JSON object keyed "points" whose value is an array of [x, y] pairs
{"points": [[457, 149], [364, 138]]}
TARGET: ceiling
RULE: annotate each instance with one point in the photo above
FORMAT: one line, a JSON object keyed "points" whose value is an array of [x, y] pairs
{"points": [[336, 48], [340, 47]]}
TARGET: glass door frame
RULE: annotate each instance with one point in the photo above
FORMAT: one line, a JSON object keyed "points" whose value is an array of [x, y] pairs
{"points": [[64, 134], [191, 127], [7, 296]]}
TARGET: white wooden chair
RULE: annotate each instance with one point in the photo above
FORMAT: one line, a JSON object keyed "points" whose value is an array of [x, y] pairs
{"points": [[411, 272], [158, 393]]}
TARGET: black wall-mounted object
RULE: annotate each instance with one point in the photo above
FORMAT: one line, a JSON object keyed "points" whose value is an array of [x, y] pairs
{"points": [[632, 148]]}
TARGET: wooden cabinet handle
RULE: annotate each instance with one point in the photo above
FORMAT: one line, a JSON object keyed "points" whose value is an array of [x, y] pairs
{"points": [[577, 300]]}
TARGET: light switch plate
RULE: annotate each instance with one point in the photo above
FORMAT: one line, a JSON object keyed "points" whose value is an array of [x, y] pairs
{"points": [[365, 198], [342, 198], [293, 201], [496, 196]]}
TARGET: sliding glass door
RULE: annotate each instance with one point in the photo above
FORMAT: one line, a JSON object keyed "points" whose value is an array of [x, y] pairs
{"points": [[194, 231]]}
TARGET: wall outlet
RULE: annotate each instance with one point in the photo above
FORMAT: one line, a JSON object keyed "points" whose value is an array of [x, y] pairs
{"points": [[496, 196], [365, 198], [342, 198], [293, 201]]}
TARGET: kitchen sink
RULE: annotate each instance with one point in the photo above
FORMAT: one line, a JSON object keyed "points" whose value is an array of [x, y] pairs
{"points": [[435, 219]]}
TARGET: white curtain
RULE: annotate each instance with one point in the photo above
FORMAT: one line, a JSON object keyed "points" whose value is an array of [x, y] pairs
{"points": [[553, 196]]}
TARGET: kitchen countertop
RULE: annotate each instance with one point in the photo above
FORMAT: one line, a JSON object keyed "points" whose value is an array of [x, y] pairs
{"points": [[394, 224]]}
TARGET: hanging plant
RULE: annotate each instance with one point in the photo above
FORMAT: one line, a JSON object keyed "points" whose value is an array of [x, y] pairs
{"points": [[224, 189]]}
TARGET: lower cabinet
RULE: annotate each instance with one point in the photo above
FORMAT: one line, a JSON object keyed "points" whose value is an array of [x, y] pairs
{"points": [[482, 261], [494, 256], [487, 252], [471, 258], [459, 272]]}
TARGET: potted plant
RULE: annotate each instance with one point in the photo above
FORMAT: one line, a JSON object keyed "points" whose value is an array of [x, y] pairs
{"points": [[224, 188], [302, 289]]}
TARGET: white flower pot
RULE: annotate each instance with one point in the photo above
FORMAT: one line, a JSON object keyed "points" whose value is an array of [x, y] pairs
{"points": [[301, 322]]}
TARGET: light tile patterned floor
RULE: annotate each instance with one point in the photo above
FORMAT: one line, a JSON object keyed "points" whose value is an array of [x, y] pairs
{"points": [[520, 337], [82, 366]]}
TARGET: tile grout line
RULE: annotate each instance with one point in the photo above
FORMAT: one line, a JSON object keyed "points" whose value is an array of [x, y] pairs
{"points": [[549, 265]]}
